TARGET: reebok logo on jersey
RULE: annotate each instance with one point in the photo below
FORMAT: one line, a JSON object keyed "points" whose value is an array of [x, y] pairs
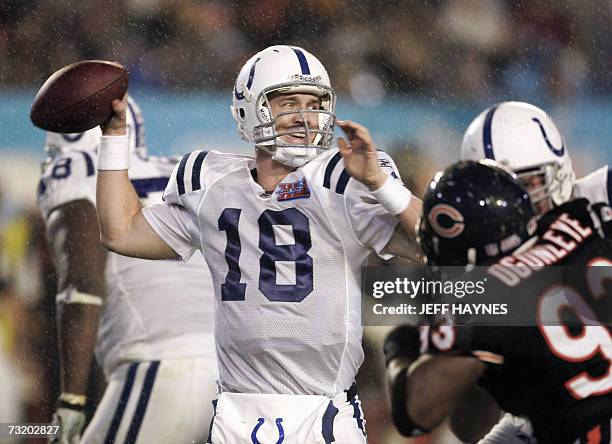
{"points": [[384, 163], [293, 190]]}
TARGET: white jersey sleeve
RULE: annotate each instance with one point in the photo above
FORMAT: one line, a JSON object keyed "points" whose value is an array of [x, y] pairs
{"points": [[175, 226], [596, 187], [175, 220], [371, 223], [68, 177], [510, 430]]}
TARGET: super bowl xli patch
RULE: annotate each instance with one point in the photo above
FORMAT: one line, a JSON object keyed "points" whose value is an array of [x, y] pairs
{"points": [[293, 190]]}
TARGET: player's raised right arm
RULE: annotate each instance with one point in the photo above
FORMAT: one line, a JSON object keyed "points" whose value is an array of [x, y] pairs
{"points": [[123, 228]]}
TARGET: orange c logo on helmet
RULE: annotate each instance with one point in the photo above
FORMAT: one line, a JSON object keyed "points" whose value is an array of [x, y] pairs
{"points": [[456, 218]]}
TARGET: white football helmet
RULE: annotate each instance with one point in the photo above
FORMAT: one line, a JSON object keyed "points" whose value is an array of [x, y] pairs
{"points": [[283, 69], [526, 139], [56, 143]]}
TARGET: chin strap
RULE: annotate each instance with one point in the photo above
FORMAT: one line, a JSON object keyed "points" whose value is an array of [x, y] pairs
{"points": [[295, 157], [292, 156]]}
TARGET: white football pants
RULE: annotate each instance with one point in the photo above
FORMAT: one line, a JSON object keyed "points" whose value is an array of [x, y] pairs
{"points": [[288, 419], [167, 401]]}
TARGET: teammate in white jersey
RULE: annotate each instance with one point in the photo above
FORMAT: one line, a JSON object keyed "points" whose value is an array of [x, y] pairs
{"points": [[155, 339], [284, 233], [526, 139], [523, 137]]}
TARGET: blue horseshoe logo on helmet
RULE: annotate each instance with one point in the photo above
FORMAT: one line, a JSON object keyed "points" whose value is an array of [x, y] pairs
{"points": [[558, 151], [279, 425], [240, 95]]}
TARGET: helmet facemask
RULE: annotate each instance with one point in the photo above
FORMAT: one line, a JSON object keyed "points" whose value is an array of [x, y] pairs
{"points": [[557, 182], [269, 138]]}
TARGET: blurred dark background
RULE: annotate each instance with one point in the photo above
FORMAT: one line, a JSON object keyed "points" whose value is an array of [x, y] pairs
{"points": [[464, 49]]}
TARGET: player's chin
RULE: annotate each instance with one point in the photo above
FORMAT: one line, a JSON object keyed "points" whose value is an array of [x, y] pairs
{"points": [[543, 207]]}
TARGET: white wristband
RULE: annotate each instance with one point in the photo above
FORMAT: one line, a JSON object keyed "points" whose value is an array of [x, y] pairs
{"points": [[72, 296], [114, 153], [72, 398], [393, 196]]}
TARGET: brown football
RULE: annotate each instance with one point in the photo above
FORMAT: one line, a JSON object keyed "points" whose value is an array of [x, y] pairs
{"points": [[79, 97]]}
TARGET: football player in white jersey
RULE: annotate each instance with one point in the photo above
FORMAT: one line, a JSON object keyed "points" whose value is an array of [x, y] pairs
{"points": [[285, 234], [523, 137], [526, 139], [155, 339]]}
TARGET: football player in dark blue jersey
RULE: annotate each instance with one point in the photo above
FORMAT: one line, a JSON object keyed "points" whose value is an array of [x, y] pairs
{"points": [[559, 378]]}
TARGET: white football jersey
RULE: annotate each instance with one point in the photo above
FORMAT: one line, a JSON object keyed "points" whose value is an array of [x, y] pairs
{"points": [[154, 309], [596, 187], [285, 266]]}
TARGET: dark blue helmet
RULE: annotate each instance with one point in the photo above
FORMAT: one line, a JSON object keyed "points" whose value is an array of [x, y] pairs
{"points": [[474, 213]]}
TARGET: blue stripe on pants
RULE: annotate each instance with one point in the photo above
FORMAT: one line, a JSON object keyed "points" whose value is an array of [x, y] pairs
{"points": [[143, 401], [328, 423], [357, 414], [212, 421], [123, 400]]}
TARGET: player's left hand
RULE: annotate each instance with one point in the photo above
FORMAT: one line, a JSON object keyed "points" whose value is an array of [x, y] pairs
{"points": [[70, 424], [359, 154]]}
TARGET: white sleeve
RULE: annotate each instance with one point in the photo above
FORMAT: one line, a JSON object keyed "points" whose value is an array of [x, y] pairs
{"points": [[186, 180], [176, 226], [65, 179], [175, 221], [371, 223], [510, 430], [596, 187]]}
